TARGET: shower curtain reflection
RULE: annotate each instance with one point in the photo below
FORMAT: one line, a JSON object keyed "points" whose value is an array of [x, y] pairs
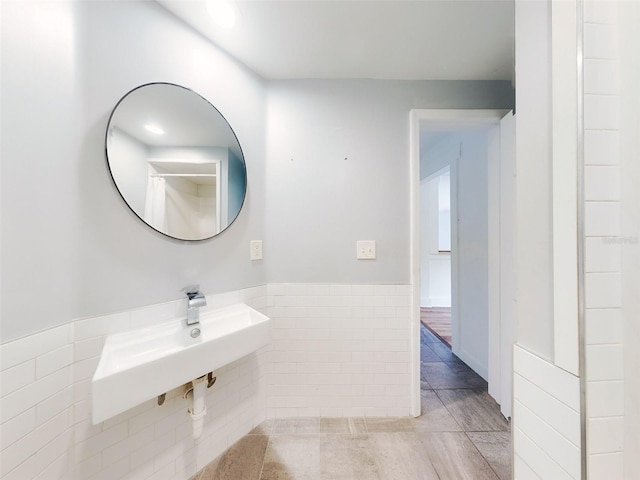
{"points": [[155, 203]]}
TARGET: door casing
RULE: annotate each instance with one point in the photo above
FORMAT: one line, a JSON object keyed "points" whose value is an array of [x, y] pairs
{"points": [[447, 119]]}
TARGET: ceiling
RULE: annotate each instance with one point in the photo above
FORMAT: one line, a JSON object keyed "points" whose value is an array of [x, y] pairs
{"points": [[342, 39], [187, 119]]}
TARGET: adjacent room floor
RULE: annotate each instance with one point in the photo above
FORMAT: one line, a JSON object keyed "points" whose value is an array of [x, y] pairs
{"points": [[438, 320], [460, 435]]}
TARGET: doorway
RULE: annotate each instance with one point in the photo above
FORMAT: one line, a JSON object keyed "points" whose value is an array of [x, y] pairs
{"points": [[435, 246], [481, 328]]}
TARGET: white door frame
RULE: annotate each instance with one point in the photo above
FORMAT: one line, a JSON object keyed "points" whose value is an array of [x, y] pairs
{"points": [[441, 119]]}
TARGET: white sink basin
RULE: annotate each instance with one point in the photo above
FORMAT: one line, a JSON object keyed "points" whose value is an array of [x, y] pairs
{"points": [[138, 365]]}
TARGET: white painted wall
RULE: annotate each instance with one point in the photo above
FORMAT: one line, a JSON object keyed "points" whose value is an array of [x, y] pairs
{"points": [[70, 247], [312, 127], [505, 274], [472, 246], [39, 144], [435, 266], [534, 254], [564, 144], [129, 168], [437, 157], [467, 152]]}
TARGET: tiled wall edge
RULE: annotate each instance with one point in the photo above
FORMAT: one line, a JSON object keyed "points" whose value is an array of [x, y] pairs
{"points": [[33, 342], [604, 379], [546, 419]]}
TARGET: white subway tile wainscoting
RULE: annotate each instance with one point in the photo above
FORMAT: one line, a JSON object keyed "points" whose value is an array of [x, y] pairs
{"points": [[336, 351], [546, 415]]}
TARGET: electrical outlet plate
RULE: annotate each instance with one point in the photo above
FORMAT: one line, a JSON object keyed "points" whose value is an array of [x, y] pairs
{"points": [[366, 249], [256, 250]]}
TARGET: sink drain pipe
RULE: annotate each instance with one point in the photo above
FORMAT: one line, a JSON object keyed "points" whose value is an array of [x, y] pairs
{"points": [[197, 409]]}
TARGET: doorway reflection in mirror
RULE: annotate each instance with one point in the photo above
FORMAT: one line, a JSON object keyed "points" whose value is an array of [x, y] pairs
{"points": [[176, 161]]}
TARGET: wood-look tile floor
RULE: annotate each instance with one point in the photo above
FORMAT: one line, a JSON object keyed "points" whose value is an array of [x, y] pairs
{"points": [[438, 320], [460, 435]]}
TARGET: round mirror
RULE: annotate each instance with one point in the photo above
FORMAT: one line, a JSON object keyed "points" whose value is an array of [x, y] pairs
{"points": [[176, 161]]}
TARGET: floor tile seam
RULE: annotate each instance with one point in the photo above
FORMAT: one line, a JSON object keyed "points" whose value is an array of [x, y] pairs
{"points": [[449, 411], [428, 345], [374, 449], [264, 457], [423, 431], [483, 389], [295, 434], [483, 416], [483, 457], [343, 434], [438, 361], [488, 431], [426, 452], [307, 434]]}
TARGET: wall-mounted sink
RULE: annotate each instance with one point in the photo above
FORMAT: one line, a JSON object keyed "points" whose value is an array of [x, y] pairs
{"points": [[138, 365]]}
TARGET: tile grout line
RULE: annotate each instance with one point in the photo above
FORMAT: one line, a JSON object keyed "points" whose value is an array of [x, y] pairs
{"points": [[264, 455], [483, 457], [426, 452], [463, 429]]}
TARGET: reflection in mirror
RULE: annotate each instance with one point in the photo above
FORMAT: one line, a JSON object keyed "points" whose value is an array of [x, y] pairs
{"points": [[176, 161]]}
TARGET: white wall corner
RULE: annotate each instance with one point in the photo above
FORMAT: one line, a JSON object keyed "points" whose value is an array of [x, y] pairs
{"points": [[565, 176]]}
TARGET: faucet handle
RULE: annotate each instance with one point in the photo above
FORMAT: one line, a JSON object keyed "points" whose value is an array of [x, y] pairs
{"points": [[191, 289]]}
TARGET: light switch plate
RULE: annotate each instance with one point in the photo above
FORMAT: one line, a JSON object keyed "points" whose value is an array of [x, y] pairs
{"points": [[366, 249], [255, 250]]}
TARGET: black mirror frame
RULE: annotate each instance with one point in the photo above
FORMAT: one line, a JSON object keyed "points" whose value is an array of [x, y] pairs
{"points": [[106, 152]]}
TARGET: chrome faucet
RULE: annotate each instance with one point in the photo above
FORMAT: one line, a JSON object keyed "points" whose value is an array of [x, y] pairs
{"points": [[195, 300]]}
